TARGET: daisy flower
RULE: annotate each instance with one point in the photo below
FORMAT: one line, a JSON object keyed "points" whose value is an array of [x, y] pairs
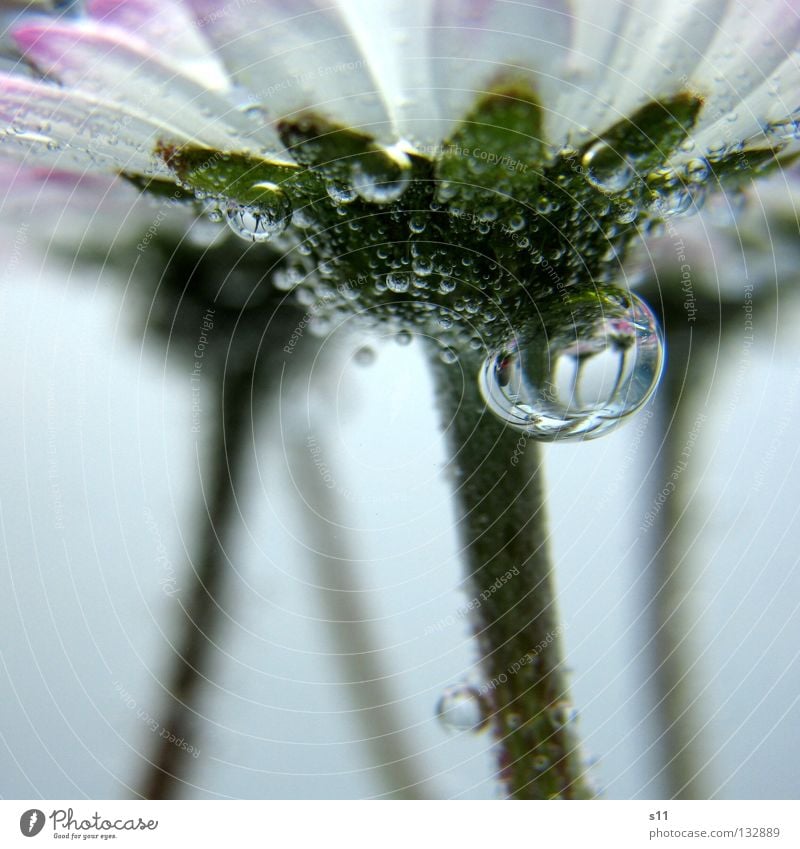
{"points": [[474, 171]]}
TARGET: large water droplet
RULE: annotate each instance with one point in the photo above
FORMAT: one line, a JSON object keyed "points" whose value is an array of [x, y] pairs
{"points": [[463, 708], [264, 219], [381, 176], [606, 168], [582, 377]]}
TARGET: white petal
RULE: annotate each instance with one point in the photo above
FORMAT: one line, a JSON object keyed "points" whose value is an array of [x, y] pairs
{"points": [[69, 130], [474, 44], [644, 51], [751, 74], [295, 55], [395, 38]]}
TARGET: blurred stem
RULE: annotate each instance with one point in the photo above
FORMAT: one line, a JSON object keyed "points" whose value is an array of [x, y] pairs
{"points": [[169, 764], [673, 653], [503, 528], [354, 637]]}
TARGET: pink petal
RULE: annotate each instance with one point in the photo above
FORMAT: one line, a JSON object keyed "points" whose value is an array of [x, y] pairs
{"points": [[115, 67], [168, 27]]}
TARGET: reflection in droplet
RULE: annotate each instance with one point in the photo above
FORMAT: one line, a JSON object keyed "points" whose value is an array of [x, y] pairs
{"points": [[462, 708], [580, 378], [340, 193], [606, 168], [381, 176], [263, 219]]}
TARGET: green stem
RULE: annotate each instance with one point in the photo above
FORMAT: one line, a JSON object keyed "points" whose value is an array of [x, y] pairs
{"points": [[170, 764], [502, 523]]}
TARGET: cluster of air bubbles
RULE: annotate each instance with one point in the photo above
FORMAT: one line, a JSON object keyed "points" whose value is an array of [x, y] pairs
{"points": [[578, 377], [462, 707], [381, 176], [681, 192], [263, 219]]}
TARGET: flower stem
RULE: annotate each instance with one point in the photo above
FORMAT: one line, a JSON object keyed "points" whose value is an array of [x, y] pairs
{"points": [[502, 524], [170, 764], [355, 640], [670, 621]]}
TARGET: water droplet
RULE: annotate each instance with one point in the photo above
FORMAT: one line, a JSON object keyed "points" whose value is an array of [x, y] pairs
{"points": [[581, 378], [339, 193], [381, 176], [606, 169], [397, 282], [422, 266], [562, 714], [627, 212], [403, 337], [264, 219], [286, 279], [365, 356], [698, 170], [540, 762], [417, 223], [679, 201], [463, 708], [516, 223], [448, 356]]}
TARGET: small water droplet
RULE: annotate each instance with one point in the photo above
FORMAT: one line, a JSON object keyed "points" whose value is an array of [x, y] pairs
{"points": [[698, 170], [417, 223], [581, 378], [448, 356], [381, 176], [263, 219], [463, 708], [627, 212], [540, 762], [365, 356], [398, 282], [607, 169], [562, 714], [340, 193], [286, 279], [403, 337]]}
